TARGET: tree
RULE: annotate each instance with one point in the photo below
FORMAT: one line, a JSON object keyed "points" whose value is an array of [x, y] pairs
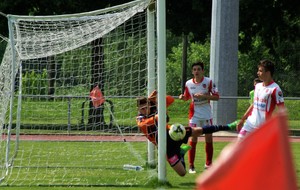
{"points": [[273, 20], [188, 16], [275, 27], [196, 51]]}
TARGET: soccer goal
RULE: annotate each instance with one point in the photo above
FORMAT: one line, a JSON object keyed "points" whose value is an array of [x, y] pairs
{"points": [[68, 97]]}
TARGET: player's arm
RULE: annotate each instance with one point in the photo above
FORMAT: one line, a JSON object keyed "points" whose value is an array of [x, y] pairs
{"points": [[185, 96], [208, 96], [212, 94], [169, 100], [143, 122], [278, 97], [153, 98], [243, 119], [214, 97]]}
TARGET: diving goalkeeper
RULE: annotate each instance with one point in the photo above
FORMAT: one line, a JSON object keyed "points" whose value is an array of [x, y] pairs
{"points": [[147, 122]]}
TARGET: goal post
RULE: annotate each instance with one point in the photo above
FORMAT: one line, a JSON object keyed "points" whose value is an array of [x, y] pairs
{"points": [[161, 62], [50, 135], [151, 69]]}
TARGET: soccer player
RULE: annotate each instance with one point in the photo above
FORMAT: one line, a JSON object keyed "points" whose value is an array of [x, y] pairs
{"points": [[201, 90], [267, 95], [147, 122], [251, 93]]}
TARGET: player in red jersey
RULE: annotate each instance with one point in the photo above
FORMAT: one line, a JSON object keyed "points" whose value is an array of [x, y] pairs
{"points": [[267, 95], [147, 122], [201, 90]]}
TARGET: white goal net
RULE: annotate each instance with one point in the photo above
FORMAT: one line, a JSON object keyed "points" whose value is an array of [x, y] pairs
{"points": [[68, 98]]}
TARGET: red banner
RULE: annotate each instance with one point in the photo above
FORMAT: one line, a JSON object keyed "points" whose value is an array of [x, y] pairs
{"points": [[263, 160]]}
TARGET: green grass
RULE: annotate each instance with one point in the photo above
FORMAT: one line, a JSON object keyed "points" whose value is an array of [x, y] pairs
{"points": [[110, 175], [77, 163], [101, 172]]}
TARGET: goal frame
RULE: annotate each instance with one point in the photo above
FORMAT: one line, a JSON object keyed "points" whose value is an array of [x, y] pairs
{"points": [[161, 83]]}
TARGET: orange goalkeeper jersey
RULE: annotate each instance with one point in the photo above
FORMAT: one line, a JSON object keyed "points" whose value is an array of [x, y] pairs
{"points": [[148, 124]]}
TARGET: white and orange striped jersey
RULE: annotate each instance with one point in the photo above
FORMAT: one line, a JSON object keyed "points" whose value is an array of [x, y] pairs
{"points": [[200, 109], [265, 100]]}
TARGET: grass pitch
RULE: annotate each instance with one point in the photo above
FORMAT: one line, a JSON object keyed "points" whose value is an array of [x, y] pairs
{"points": [[140, 180]]}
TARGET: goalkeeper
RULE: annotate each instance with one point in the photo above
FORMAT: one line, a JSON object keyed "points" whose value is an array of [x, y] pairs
{"points": [[147, 122]]}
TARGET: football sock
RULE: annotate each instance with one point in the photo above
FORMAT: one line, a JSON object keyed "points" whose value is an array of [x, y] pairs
{"points": [[209, 149], [233, 125], [192, 153], [182, 161], [208, 129]]}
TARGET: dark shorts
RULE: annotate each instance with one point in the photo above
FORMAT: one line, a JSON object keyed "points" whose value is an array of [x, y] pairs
{"points": [[173, 147]]}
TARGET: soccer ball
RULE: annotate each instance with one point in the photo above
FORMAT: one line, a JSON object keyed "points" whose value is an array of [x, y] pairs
{"points": [[177, 132]]}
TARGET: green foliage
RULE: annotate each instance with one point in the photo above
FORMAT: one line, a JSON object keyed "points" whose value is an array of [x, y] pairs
{"points": [[172, 41], [196, 52], [126, 59], [247, 63], [286, 71], [73, 70], [34, 83], [288, 67], [286, 61], [268, 32]]}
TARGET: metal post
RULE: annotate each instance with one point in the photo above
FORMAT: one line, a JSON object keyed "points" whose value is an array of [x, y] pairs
{"points": [[224, 57], [161, 56]]}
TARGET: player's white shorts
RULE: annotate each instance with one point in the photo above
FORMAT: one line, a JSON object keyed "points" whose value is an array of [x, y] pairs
{"points": [[199, 123], [246, 130], [242, 134]]}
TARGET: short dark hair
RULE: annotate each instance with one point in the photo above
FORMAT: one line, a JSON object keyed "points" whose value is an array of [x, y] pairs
{"points": [[141, 101], [198, 63], [268, 65]]}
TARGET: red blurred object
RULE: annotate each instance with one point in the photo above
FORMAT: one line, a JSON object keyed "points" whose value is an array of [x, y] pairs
{"points": [[263, 160], [97, 97]]}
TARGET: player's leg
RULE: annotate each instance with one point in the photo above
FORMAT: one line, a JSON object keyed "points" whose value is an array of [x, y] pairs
{"points": [[208, 129], [176, 161], [174, 155], [192, 152], [179, 168], [209, 149], [233, 125], [245, 130]]}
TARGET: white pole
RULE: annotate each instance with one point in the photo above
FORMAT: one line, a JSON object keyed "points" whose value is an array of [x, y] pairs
{"points": [[151, 69], [11, 41], [161, 59]]}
